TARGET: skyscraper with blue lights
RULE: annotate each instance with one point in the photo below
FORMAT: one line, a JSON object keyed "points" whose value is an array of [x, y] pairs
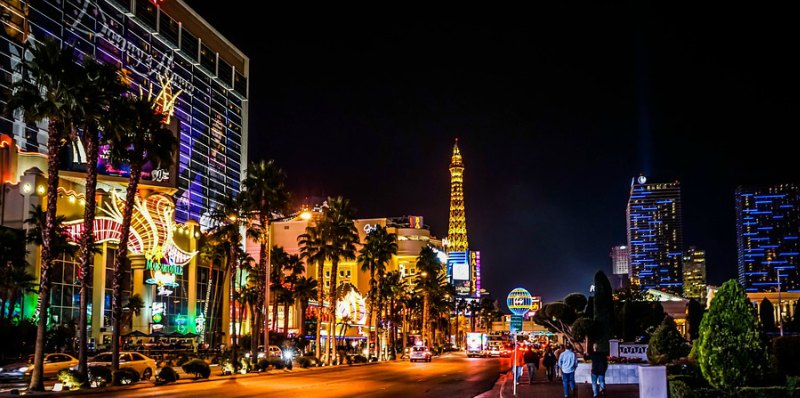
{"points": [[767, 231], [655, 235]]}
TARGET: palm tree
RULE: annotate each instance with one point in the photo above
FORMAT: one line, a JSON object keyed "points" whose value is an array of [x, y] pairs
{"points": [[341, 236], [227, 221], [295, 268], [134, 307], [101, 86], [279, 259], [14, 279], [376, 253], [314, 250], [305, 289], [47, 92], [264, 194], [391, 286], [429, 269]]}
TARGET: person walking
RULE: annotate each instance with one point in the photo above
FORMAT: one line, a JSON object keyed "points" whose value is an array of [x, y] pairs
{"points": [[531, 358], [520, 360], [599, 367], [549, 363], [567, 363]]}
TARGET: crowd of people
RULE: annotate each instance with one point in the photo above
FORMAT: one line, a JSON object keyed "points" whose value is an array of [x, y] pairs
{"points": [[560, 362]]}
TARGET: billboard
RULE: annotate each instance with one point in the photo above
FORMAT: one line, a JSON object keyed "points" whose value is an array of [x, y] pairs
{"points": [[460, 272], [475, 268]]}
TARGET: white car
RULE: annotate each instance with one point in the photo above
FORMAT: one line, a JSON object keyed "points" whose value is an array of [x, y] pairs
{"points": [[273, 352], [53, 363], [420, 353], [143, 365]]}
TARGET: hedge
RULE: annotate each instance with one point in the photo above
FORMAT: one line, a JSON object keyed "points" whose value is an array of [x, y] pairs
{"points": [[680, 389], [786, 350], [167, 375], [125, 376]]}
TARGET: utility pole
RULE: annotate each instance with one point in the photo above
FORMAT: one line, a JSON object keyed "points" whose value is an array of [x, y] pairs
{"points": [[780, 304]]}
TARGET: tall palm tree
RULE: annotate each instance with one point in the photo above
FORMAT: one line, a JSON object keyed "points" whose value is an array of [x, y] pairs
{"points": [[139, 137], [391, 286], [279, 259], [305, 289], [341, 236], [47, 92], [374, 256], [98, 90], [429, 268], [314, 250], [227, 221], [264, 193], [295, 268]]}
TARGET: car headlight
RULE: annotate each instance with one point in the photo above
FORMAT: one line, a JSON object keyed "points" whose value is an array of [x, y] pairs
{"points": [[22, 369], [287, 355]]}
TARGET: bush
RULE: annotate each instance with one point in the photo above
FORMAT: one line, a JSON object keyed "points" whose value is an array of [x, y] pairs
{"points": [[359, 359], [125, 376], [245, 365], [198, 367], [182, 359], [276, 363], [100, 375], [680, 389], [787, 351], [666, 344], [305, 362], [71, 379], [730, 351], [167, 375], [766, 392]]}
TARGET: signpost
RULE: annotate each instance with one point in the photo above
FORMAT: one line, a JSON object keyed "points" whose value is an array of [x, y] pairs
{"points": [[519, 301]]}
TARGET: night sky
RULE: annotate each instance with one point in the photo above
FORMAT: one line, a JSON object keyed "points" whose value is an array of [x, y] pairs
{"points": [[555, 112]]}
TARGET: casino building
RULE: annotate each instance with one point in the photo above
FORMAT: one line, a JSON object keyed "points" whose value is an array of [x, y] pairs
{"points": [[164, 49]]}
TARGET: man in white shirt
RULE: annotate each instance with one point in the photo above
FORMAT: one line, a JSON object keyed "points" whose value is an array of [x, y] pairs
{"points": [[568, 362]]}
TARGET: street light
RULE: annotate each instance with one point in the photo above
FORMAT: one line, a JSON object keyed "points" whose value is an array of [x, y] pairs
{"points": [[780, 306]]}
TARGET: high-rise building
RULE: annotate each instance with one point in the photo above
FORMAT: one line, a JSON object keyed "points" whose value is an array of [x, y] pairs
{"points": [[620, 260], [655, 235], [457, 230], [164, 49], [767, 229], [694, 273]]}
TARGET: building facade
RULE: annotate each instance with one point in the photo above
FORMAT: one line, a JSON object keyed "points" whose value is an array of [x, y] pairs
{"points": [[163, 49], [768, 233], [655, 235], [694, 273], [620, 260]]}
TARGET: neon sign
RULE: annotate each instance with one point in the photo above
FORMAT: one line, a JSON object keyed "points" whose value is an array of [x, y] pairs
{"points": [[158, 312]]}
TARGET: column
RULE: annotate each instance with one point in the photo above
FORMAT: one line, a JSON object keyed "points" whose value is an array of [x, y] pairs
{"points": [[141, 322]]}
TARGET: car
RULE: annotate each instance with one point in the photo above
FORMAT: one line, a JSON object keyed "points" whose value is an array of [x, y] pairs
{"points": [[420, 353], [274, 352], [506, 351], [143, 365], [494, 351], [53, 363]]}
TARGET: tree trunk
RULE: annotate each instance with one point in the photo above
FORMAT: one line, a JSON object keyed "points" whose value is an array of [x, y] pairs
{"points": [[286, 317], [275, 311], [370, 326], [404, 329], [53, 150], [234, 335], [263, 289], [425, 323], [122, 255], [301, 322], [87, 243], [332, 323], [320, 306]]}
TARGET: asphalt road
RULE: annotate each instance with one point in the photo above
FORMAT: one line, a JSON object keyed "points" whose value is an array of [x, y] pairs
{"points": [[452, 375]]}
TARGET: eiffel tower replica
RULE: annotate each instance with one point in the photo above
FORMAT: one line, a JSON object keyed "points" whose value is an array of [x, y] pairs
{"points": [[457, 230]]}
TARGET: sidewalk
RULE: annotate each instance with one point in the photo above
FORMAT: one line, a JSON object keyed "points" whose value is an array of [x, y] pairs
{"points": [[541, 388]]}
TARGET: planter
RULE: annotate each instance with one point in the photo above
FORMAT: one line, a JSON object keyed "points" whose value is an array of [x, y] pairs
{"points": [[616, 374], [653, 381]]}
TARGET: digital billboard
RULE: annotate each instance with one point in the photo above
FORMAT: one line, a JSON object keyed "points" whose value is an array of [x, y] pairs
{"points": [[460, 272]]}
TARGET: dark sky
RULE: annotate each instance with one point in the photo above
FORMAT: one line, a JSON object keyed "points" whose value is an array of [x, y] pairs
{"points": [[554, 111]]}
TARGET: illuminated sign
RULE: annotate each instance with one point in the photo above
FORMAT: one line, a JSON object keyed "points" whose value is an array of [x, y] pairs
{"points": [[519, 301], [200, 323], [459, 272], [352, 307], [415, 222], [158, 312], [475, 268]]}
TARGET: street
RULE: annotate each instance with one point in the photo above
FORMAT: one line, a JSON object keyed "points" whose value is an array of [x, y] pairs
{"points": [[452, 375]]}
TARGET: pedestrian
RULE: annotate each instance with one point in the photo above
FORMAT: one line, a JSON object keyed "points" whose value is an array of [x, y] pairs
{"points": [[559, 351], [567, 362], [599, 367], [519, 356], [532, 363], [549, 363]]}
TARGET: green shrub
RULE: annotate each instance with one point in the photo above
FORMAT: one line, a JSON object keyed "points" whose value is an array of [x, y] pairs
{"points": [[666, 344], [100, 375], [359, 359], [793, 382], [198, 367], [730, 351], [245, 365], [786, 350], [167, 375], [71, 379], [766, 392], [125, 376], [679, 389], [305, 362]]}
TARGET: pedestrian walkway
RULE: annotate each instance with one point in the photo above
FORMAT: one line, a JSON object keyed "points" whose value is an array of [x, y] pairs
{"points": [[541, 388]]}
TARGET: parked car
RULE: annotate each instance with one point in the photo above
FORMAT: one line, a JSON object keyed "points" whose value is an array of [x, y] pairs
{"points": [[143, 365], [273, 352], [53, 363], [420, 353], [495, 351]]}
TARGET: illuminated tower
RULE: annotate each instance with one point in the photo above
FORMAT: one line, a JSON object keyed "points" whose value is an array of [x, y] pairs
{"points": [[457, 232]]}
